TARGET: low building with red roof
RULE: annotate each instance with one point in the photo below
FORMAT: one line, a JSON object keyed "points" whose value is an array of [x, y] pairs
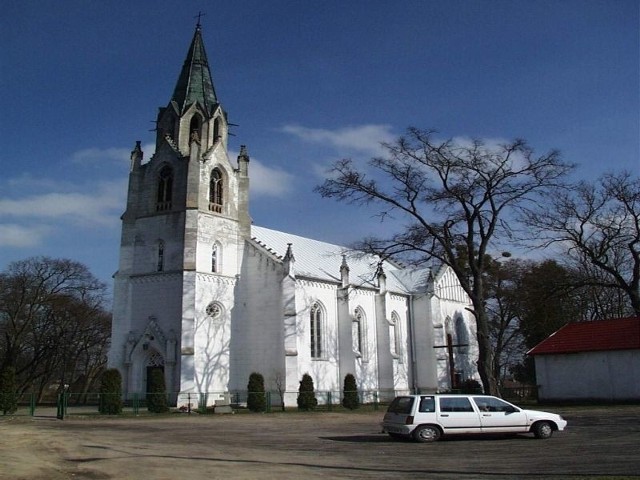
{"points": [[598, 360]]}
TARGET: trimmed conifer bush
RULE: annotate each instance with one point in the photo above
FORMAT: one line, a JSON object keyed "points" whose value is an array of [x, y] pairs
{"points": [[8, 387], [471, 386], [157, 394], [111, 392], [306, 395], [350, 393], [256, 399]]}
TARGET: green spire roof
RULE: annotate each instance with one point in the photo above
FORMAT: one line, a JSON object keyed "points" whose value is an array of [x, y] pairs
{"points": [[195, 83]]}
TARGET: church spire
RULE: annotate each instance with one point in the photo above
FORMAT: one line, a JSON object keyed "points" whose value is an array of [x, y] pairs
{"points": [[195, 84]]}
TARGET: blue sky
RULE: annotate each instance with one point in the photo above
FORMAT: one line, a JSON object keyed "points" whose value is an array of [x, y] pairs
{"points": [[307, 82]]}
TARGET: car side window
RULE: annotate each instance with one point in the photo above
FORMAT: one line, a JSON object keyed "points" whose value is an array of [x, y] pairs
{"points": [[427, 404], [490, 404], [455, 404], [401, 405]]}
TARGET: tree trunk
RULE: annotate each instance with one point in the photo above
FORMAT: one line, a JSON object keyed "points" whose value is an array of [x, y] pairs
{"points": [[485, 357], [634, 295]]}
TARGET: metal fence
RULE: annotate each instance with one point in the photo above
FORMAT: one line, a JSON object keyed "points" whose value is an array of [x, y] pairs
{"points": [[70, 403]]}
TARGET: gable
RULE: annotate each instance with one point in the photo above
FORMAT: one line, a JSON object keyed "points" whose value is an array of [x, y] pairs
{"points": [[613, 334]]}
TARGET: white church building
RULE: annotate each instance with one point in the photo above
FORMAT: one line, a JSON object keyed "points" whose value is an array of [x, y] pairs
{"points": [[207, 297]]}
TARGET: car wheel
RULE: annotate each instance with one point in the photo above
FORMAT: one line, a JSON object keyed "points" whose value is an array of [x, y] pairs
{"points": [[426, 433], [542, 430]]}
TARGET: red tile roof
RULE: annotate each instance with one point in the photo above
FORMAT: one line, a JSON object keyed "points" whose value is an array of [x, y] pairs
{"points": [[614, 334]]}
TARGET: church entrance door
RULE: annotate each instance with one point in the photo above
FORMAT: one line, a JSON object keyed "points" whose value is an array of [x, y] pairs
{"points": [[150, 371]]}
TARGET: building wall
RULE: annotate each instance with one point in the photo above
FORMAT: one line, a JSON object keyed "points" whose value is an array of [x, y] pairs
{"points": [[452, 315], [257, 331], [214, 308], [140, 301], [365, 359], [397, 306], [607, 376], [324, 370]]}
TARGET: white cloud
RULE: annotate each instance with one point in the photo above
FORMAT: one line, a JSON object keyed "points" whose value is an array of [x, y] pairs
{"points": [[98, 204], [148, 150], [14, 235], [362, 138], [33, 209], [29, 182], [271, 182], [495, 146], [267, 181], [96, 155]]}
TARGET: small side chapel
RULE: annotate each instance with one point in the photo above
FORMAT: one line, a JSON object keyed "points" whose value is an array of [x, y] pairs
{"points": [[208, 298]]}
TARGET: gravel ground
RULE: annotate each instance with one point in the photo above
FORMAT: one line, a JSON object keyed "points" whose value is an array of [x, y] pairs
{"points": [[599, 442]]}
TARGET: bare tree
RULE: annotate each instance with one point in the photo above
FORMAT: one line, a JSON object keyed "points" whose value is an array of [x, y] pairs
{"points": [[280, 383], [455, 200], [53, 325], [502, 308], [598, 227]]}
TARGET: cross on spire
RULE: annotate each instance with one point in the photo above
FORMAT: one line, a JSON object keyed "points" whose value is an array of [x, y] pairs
{"points": [[200, 14]]}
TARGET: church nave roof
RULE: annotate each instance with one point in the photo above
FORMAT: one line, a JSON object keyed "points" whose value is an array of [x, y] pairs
{"points": [[322, 261]]}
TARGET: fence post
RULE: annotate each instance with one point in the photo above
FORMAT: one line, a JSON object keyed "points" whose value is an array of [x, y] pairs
{"points": [[329, 402], [375, 401], [59, 414], [60, 407], [135, 404], [268, 406], [32, 404]]}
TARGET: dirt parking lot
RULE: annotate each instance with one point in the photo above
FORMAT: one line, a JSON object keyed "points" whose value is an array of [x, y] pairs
{"points": [[600, 441]]}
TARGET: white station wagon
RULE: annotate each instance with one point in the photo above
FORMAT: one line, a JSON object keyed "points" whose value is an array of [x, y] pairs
{"points": [[426, 418]]}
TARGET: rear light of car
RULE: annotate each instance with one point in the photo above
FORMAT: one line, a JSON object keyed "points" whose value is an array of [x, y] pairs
{"points": [[409, 420]]}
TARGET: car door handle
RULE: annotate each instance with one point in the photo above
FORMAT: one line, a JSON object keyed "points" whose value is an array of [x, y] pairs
{"points": [[443, 415], [486, 414]]}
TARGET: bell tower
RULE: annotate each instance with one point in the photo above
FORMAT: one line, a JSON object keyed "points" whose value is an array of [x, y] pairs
{"points": [[183, 233]]}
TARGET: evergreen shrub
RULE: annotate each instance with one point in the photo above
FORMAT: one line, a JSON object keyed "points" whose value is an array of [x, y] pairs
{"points": [[306, 395], [157, 394], [8, 388], [256, 399], [350, 393], [470, 386], [111, 392]]}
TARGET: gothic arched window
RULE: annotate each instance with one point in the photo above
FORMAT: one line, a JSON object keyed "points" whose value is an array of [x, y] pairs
{"points": [[194, 128], [357, 332], [216, 258], [394, 335], [316, 328], [165, 189], [160, 264], [216, 129], [462, 335], [216, 191]]}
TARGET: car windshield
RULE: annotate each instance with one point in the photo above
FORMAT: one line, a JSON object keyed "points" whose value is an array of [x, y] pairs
{"points": [[401, 405]]}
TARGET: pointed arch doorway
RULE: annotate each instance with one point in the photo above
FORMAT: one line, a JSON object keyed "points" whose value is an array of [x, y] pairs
{"points": [[154, 362]]}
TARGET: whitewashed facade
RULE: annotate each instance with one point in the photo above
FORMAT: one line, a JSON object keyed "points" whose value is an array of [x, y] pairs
{"points": [[209, 298]]}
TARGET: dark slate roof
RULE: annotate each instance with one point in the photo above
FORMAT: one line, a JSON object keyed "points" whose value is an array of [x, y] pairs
{"points": [[614, 334], [195, 83]]}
